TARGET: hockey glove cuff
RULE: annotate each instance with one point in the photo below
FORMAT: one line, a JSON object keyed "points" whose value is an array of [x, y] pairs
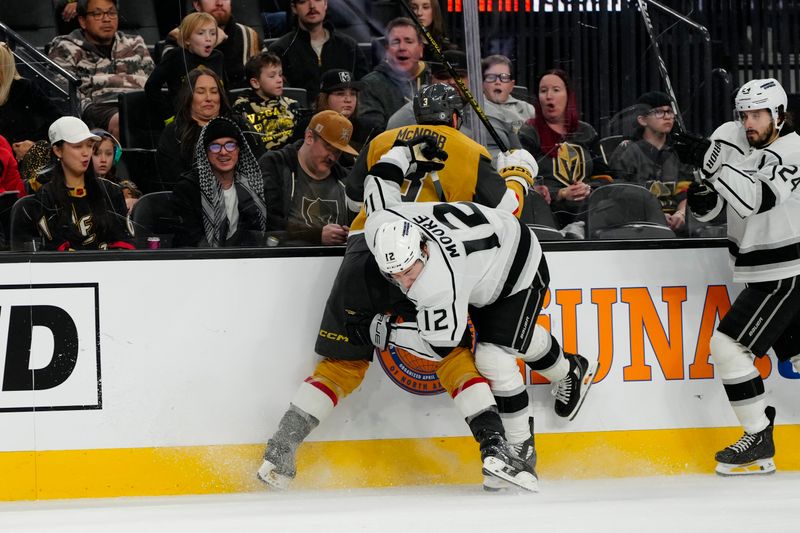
{"points": [[519, 166], [379, 330]]}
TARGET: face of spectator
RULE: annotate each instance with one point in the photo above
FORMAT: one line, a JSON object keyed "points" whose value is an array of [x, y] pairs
{"points": [[497, 90], [553, 98], [270, 82], [75, 157], [103, 157], [219, 9], [759, 127], [318, 154], [343, 101], [404, 49], [423, 10], [205, 100], [222, 160], [101, 21], [202, 41], [659, 119], [310, 13]]}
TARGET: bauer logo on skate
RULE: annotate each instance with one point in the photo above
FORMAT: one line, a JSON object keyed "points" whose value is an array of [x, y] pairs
{"points": [[51, 358]]}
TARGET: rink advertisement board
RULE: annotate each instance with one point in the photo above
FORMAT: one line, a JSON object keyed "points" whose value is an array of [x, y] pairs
{"points": [[167, 376]]}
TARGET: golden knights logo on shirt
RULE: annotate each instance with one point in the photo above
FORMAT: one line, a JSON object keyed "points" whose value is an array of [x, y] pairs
{"points": [[569, 165]]}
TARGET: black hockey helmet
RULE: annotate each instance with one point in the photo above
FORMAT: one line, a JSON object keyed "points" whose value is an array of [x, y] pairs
{"points": [[436, 104]]}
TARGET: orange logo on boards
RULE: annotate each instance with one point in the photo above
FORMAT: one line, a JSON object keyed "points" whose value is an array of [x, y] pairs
{"points": [[411, 373]]}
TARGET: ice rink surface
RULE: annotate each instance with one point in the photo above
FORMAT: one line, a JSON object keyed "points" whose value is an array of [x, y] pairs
{"points": [[678, 504]]}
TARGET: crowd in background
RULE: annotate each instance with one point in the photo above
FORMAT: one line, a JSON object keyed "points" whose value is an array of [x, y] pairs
{"points": [[244, 160]]}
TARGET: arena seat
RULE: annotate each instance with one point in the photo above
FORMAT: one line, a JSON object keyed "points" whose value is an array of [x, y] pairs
{"points": [[154, 216], [140, 18], [23, 234], [33, 20], [538, 216], [138, 126], [625, 211]]}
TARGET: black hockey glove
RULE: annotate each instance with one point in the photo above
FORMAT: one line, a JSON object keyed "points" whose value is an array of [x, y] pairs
{"points": [[701, 198], [364, 328], [697, 151]]}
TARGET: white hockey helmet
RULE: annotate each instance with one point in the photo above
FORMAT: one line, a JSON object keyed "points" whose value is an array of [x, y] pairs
{"points": [[398, 245], [762, 94]]}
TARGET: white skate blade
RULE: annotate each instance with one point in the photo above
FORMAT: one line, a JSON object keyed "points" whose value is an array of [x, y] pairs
{"points": [[495, 467], [756, 468], [495, 484], [274, 480], [586, 384]]}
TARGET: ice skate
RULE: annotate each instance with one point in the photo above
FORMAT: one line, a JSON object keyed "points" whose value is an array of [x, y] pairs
{"points": [[500, 462], [526, 451], [571, 391], [279, 467], [753, 454]]}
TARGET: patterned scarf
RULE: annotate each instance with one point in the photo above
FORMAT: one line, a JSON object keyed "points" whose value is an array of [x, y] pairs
{"points": [[247, 175]]}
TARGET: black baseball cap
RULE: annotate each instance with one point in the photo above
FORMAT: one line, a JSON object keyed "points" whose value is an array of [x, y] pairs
{"points": [[336, 79], [654, 99]]}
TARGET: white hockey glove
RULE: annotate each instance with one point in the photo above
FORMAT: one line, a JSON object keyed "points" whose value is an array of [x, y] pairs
{"points": [[518, 165], [796, 363], [415, 158]]}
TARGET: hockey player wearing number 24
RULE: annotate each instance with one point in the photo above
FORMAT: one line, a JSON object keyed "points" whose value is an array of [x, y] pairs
{"points": [[360, 288], [751, 168]]}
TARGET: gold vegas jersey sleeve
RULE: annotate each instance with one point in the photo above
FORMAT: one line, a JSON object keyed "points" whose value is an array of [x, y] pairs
{"points": [[468, 174]]}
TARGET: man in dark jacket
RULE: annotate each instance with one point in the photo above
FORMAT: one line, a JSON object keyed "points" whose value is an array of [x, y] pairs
{"points": [[313, 48], [397, 79], [304, 183]]}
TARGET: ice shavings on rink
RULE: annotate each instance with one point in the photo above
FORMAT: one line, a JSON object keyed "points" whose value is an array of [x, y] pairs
{"points": [[657, 504]]}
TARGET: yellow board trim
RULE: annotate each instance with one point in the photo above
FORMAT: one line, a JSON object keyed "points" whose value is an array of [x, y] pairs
{"points": [[350, 464]]}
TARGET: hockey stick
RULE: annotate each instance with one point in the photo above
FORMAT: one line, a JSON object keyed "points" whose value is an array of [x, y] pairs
{"points": [[463, 88], [662, 67]]}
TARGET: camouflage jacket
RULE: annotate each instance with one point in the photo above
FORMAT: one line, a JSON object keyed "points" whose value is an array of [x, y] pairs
{"points": [[102, 78]]}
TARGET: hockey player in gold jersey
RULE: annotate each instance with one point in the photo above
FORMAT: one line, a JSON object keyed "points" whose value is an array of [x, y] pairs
{"points": [[361, 289]]}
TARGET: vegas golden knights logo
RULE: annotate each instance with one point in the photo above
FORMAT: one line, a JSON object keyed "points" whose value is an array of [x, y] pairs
{"points": [[569, 165]]}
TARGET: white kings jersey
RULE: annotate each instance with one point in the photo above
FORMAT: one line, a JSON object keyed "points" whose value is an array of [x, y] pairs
{"points": [[759, 188], [476, 255]]}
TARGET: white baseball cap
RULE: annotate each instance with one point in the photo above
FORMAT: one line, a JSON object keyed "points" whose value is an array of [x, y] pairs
{"points": [[71, 130]]}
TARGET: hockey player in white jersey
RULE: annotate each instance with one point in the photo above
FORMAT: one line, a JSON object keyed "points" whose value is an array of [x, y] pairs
{"points": [[757, 183], [460, 260]]}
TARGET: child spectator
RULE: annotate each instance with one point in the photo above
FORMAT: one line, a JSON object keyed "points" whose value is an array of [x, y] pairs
{"points": [[197, 36], [273, 116], [105, 157]]}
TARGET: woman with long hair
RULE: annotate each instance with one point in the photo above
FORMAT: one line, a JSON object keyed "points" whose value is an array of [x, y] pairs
{"points": [[429, 13], [25, 111], [79, 211], [338, 92], [564, 146], [200, 99]]}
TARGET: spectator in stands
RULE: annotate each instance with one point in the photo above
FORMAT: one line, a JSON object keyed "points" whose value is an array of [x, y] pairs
{"points": [[304, 184], [314, 47], [9, 171], [564, 147], [649, 160], [397, 79], [221, 199], [237, 42], [339, 92], [105, 157], [201, 99], [439, 74], [429, 13], [498, 82], [66, 16], [105, 61], [79, 211], [25, 111], [197, 36], [273, 116]]}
